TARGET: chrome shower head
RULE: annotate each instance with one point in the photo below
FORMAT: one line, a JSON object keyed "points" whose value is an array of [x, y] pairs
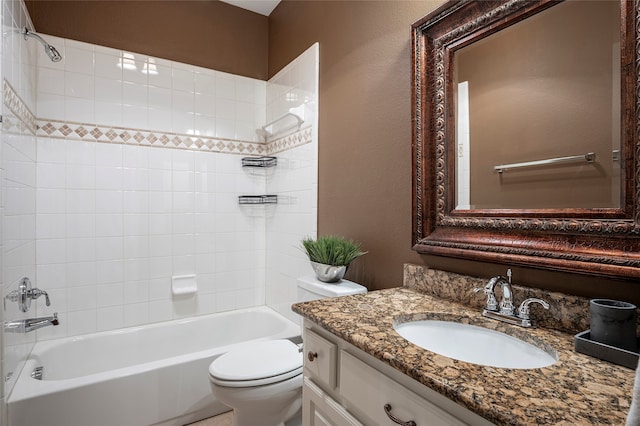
{"points": [[51, 51]]}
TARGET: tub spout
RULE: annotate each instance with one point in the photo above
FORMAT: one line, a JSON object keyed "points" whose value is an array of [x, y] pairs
{"points": [[30, 324]]}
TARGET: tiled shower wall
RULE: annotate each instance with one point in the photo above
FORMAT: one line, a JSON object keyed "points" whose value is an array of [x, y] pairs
{"points": [[126, 201], [137, 182], [294, 88], [18, 177]]}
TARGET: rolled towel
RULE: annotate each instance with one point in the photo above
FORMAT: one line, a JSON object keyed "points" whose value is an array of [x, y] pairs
{"points": [[633, 418]]}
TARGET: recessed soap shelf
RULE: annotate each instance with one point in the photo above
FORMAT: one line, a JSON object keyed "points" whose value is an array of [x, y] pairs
{"points": [[259, 161], [258, 199]]}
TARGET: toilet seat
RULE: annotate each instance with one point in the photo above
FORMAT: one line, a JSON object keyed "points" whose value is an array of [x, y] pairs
{"points": [[257, 364]]}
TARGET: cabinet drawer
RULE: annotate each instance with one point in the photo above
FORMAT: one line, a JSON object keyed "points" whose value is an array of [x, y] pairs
{"points": [[320, 359], [367, 391]]}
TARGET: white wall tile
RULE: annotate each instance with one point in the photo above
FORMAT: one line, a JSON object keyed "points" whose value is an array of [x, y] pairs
{"points": [[107, 65], [163, 78], [159, 98], [135, 94], [108, 90], [135, 116], [110, 295], [79, 85], [109, 271], [183, 80], [109, 318], [51, 106], [108, 225], [80, 152], [225, 86], [81, 322], [205, 83], [51, 81], [78, 60], [109, 201], [80, 201], [51, 251], [109, 249], [108, 113], [51, 175], [109, 177], [79, 110], [160, 310], [81, 274]]}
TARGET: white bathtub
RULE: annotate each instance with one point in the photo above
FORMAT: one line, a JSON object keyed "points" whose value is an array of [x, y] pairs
{"points": [[151, 375]]}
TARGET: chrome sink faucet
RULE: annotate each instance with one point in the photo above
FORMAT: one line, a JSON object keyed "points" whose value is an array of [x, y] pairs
{"points": [[505, 311]]}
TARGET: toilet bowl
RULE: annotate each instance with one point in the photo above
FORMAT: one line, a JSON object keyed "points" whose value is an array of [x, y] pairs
{"points": [[262, 381]]}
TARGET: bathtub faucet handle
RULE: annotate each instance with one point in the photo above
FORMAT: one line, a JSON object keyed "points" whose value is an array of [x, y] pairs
{"points": [[36, 292], [25, 293]]}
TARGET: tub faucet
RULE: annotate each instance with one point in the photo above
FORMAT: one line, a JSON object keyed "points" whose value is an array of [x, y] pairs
{"points": [[30, 324]]}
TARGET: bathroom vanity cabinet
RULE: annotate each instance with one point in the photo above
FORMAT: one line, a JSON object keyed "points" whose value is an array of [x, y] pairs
{"points": [[345, 386], [359, 363]]}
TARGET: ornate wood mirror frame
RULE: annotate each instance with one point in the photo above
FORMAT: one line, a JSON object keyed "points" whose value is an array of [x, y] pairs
{"points": [[602, 242]]}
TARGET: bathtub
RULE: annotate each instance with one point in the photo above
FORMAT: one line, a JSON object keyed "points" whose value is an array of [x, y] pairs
{"points": [[150, 375]]}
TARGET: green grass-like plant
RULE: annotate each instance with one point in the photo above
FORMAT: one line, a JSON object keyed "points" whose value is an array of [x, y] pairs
{"points": [[332, 250]]}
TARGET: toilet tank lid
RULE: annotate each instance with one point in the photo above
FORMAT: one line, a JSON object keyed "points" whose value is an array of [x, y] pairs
{"points": [[341, 288]]}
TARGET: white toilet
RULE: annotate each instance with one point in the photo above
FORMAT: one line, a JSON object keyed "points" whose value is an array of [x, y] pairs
{"points": [[262, 381]]}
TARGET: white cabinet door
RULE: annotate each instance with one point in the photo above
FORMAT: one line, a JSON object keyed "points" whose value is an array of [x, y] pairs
{"points": [[319, 409], [320, 359], [375, 397]]}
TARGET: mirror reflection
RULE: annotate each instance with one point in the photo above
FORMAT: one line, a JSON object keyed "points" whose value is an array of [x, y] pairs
{"points": [[538, 121]]}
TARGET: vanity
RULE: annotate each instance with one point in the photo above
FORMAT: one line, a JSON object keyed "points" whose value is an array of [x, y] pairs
{"points": [[359, 370]]}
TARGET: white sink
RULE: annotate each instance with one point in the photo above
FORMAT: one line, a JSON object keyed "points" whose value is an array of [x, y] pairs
{"points": [[474, 344]]}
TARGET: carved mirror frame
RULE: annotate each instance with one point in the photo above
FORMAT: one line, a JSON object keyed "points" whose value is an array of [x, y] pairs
{"points": [[601, 242]]}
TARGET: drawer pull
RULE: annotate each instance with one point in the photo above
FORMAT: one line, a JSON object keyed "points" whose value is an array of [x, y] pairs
{"points": [[387, 410], [312, 355]]}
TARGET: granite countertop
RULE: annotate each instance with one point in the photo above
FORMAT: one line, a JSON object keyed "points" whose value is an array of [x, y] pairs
{"points": [[576, 390]]}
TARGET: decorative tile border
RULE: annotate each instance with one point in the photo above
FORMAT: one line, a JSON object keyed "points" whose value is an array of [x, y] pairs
{"points": [[19, 118], [130, 136], [20, 110], [292, 140]]}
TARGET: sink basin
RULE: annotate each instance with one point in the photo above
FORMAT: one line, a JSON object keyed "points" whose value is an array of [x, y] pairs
{"points": [[474, 344]]}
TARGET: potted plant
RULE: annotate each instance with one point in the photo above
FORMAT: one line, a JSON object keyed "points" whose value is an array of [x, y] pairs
{"points": [[330, 256]]}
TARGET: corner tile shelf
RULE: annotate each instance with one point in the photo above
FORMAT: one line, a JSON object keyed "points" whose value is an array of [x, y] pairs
{"points": [[258, 199]]}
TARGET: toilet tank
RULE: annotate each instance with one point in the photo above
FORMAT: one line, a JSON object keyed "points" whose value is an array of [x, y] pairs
{"points": [[310, 288]]}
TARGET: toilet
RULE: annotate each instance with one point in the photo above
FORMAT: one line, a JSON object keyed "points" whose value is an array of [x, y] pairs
{"points": [[262, 381]]}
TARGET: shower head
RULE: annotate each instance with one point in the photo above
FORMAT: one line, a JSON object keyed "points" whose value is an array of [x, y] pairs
{"points": [[51, 51]]}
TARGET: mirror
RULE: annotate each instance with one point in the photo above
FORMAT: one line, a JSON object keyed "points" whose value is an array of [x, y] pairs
{"points": [[552, 82], [525, 134]]}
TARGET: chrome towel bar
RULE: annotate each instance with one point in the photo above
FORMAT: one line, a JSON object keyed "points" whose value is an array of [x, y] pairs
{"points": [[589, 157]]}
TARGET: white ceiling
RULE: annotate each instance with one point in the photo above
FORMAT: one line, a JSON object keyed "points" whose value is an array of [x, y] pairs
{"points": [[263, 7]]}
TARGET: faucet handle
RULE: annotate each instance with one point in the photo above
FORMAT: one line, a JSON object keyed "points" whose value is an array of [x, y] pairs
{"points": [[36, 292], [523, 310], [492, 303]]}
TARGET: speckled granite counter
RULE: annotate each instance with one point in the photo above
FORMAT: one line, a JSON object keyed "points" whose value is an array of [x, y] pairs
{"points": [[577, 390]]}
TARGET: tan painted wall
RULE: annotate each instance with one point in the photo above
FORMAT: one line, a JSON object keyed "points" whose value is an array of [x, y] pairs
{"points": [[364, 130], [365, 138], [364, 121], [210, 34]]}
